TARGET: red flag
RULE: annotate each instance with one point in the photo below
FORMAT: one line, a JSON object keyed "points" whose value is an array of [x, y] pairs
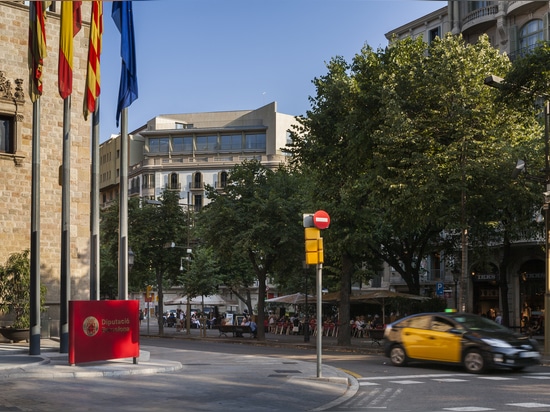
{"points": [[37, 46], [71, 21], [93, 72]]}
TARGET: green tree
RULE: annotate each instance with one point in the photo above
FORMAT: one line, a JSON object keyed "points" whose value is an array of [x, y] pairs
{"points": [[153, 229], [405, 144], [258, 218]]}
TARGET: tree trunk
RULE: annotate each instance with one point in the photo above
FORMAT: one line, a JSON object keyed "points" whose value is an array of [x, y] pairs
{"points": [[344, 334]]}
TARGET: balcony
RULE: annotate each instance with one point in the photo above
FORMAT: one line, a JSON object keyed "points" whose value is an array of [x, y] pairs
{"points": [[480, 18], [196, 186], [173, 186]]}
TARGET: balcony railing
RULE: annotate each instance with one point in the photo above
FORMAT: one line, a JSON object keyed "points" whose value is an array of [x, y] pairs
{"points": [[483, 12]]}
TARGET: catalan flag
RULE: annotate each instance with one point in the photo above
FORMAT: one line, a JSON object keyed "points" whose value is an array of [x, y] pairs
{"points": [[71, 21], [93, 83], [37, 46], [121, 13]]}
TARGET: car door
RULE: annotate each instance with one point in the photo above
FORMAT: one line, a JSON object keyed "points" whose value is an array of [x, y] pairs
{"points": [[415, 337], [444, 341]]}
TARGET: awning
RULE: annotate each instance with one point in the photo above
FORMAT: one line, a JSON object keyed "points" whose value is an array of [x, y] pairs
{"points": [[213, 300]]}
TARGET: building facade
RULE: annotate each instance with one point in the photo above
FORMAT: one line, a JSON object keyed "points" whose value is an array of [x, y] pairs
{"points": [[514, 27], [186, 152], [16, 124]]}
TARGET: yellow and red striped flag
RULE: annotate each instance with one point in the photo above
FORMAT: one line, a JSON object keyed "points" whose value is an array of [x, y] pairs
{"points": [[71, 21], [93, 83], [37, 46]]}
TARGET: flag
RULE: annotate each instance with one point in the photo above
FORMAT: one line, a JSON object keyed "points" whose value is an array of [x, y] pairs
{"points": [[37, 46], [128, 90], [93, 83], [71, 21]]}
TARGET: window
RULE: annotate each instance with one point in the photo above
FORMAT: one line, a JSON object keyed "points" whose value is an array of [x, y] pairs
{"points": [[433, 34], [529, 35], [197, 206], [174, 181], [231, 142], [197, 180], [255, 141], [158, 145], [207, 143], [476, 5], [7, 136], [223, 179], [182, 144]]}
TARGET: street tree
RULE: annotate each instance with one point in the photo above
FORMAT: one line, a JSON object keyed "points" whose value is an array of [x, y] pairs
{"points": [[408, 148], [258, 217], [153, 229]]}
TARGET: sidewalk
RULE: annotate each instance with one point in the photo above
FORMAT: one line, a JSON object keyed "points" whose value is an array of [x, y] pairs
{"points": [[202, 374]]}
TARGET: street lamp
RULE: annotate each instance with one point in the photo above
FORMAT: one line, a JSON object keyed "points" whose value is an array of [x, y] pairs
{"points": [[456, 278], [495, 81]]}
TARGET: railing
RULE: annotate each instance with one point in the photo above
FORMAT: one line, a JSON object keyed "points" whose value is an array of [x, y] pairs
{"points": [[173, 186], [483, 12]]}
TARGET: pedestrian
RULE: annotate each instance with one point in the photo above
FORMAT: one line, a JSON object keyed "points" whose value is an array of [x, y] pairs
{"points": [[376, 323], [498, 318]]}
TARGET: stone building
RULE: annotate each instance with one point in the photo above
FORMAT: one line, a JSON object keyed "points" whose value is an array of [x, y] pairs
{"points": [[514, 27], [16, 122]]}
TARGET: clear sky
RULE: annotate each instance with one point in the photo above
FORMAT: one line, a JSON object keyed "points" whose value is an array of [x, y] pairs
{"points": [[218, 55]]}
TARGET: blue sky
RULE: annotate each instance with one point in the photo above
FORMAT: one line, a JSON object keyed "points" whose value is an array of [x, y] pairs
{"points": [[219, 55]]}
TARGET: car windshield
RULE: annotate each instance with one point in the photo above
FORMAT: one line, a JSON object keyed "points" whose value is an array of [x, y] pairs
{"points": [[474, 322]]}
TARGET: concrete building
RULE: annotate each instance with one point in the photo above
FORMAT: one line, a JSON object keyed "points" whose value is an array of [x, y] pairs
{"points": [[514, 27], [185, 152], [16, 122]]}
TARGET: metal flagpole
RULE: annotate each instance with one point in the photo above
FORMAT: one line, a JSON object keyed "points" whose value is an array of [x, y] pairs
{"points": [[34, 343], [65, 229], [123, 211], [94, 199]]}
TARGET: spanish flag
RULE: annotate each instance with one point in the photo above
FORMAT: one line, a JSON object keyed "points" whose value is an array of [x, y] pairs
{"points": [[37, 46], [71, 21], [93, 82]]}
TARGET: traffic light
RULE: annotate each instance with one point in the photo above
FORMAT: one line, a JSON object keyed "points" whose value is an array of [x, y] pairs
{"points": [[314, 246], [148, 293]]}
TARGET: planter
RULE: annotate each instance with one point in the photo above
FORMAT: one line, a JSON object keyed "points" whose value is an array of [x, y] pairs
{"points": [[15, 335]]}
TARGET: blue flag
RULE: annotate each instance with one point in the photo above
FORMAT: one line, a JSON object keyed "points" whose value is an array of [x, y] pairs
{"points": [[128, 90]]}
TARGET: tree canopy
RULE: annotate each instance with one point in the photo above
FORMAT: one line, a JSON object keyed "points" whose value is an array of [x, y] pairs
{"points": [[407, 147]]}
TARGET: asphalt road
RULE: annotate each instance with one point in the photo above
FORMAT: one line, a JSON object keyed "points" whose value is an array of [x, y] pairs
{"points": [[418, 387], [220, 374]]}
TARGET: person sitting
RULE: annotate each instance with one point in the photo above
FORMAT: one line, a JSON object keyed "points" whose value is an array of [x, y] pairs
{"points": [[376, 323], [252, 324]]}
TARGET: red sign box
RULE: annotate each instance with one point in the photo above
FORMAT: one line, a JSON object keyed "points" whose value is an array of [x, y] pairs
{"points": [[103, 329]]}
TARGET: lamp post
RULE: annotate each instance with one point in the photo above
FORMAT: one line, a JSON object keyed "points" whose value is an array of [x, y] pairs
{"points": [[495, 81], [456, 278]]}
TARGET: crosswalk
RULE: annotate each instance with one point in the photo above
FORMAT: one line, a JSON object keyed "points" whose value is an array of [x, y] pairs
{"points": [[379, 392]]}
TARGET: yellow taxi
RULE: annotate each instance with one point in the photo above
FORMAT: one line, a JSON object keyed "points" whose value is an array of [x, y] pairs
{"points": [[473, 341]]}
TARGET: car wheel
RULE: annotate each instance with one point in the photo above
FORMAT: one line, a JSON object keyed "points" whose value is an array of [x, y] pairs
{"points": [[398, 356], [474, 361]]}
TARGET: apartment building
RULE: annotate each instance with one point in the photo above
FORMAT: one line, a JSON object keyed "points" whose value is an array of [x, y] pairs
{"points": [[16, 143], [184, 152], [514, 27]]}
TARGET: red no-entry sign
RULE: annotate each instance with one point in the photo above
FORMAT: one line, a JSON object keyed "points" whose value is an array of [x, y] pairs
{"points": [[321, 219]]}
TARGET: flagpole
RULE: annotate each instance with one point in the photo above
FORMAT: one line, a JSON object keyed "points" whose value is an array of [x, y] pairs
{"points": [[65, 229], [34, 343], [123, 209], [94, 199]]}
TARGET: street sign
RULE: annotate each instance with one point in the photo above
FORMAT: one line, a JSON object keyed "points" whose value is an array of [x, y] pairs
{"points": [[439, 288], [321, 219]]}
